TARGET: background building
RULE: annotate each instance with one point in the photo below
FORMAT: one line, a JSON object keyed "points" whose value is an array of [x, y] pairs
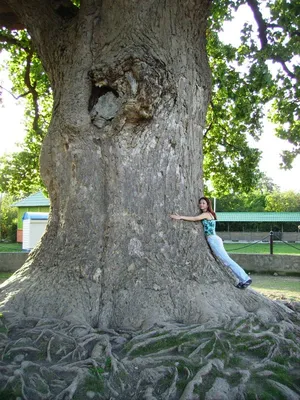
{"points": [[254, 226], [36, 202]]}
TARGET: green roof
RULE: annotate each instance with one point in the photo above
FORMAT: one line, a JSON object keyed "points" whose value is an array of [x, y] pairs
{"points": [[36, 199], [258, 216]]}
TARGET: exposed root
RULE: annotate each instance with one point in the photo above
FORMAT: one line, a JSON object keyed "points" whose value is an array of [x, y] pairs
{"points": [[49, 359], [197, 380], [69, 391]]}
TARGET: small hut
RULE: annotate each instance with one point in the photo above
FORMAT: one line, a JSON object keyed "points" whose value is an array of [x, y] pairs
{"points": [[36, 202], [34, 225]]}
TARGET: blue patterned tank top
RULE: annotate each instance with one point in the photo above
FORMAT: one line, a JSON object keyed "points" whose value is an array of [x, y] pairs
{"points": [[209, 226]]}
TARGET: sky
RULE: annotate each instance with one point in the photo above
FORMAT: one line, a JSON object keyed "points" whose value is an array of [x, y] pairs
{"points": [[12, 131], [11, 117]]}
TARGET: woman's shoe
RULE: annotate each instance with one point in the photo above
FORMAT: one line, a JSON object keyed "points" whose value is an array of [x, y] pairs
{"points": [[240, 285], [247, 283]]}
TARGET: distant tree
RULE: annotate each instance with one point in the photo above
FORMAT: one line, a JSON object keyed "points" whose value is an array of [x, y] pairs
{"points": [[283, 201], [19, 173], [254, 200], [8, 218], [259, 201]]}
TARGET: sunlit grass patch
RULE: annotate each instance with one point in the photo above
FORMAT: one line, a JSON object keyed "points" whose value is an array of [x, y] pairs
{"points": [[284, 288]]}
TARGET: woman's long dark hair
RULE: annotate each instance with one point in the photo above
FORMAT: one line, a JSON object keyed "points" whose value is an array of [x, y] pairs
{"points": [[209, 206]]}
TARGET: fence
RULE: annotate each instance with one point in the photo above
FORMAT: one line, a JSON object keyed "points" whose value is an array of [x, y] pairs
{"points": [[271, 238], [255, 236]]}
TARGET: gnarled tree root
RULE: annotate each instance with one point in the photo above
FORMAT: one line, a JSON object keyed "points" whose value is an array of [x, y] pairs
{"points": [[52, 359]]}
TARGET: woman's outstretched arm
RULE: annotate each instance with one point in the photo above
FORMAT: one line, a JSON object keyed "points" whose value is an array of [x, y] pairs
{"points": [[191, 219]]}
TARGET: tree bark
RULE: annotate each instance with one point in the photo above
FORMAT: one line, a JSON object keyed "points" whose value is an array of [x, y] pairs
{"points": [[131, 84]]}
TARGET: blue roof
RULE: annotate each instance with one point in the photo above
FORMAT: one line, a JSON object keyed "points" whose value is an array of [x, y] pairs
{"points": [[36, 199], [35, 216]]}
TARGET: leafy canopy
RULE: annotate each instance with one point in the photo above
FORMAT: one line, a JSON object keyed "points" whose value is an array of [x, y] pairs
{"points": [[244, 80], [19, 172], [261, 71], [257, 200]]}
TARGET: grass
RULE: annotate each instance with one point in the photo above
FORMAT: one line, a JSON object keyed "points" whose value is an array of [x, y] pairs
{"points": [[277, 287], [4, 276], [10, 247], [263, 248]]}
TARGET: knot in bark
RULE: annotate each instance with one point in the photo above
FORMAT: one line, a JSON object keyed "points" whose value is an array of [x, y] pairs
{"points": [[129, 92]]}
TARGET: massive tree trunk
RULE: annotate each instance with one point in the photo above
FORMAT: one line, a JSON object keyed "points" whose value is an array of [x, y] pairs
{"points": [[131, 84]]}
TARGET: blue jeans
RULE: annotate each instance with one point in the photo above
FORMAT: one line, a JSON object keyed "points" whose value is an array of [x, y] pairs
{"points": [[217, 247]]}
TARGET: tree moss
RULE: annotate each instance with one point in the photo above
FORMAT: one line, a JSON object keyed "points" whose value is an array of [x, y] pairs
{"points": [[154, 347], [107, 366], [3, 329], [267, 392], [234, 379], [7, 394], [280, 359], [164, 383], [282, 374], [11, 393], [94, 383], [235, 361]]}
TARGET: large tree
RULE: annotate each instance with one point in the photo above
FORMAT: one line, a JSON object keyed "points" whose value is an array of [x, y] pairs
{"points": [[131, 86]]}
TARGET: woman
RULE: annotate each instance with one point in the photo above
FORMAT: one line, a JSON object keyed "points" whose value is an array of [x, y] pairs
{"points": [[208, 219]]}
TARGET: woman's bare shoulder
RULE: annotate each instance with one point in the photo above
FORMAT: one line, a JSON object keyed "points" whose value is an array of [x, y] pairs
{"points": [[208, 216]]}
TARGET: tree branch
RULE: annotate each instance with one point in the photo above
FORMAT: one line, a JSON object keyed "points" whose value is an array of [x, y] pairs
{"points": [[27, 80], [285, 68], [262, 33], [32, 90], [296, 33], [262, 26], [12, 41], [44, 19], [15, 97], [224, 142], [8, 18], [51, 13]]}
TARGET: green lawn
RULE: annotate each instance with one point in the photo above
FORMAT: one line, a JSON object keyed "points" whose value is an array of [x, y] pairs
{"points": [[10, 247], [4, 276], [277, 287], [263, 248]]}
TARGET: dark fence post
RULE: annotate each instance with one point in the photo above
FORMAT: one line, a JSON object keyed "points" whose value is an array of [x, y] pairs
{"points": [[271, 242]]}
